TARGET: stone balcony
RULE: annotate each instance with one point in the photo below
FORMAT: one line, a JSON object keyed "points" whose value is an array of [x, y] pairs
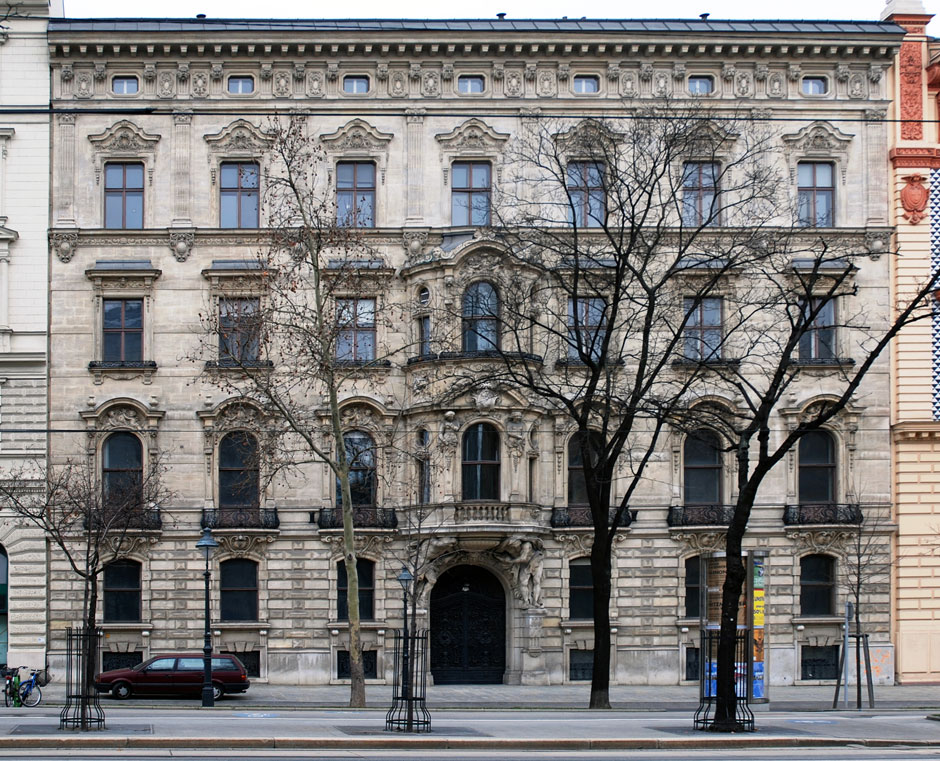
{"points": [[241, 518], [684, 516], [823, 514], [363, 517], [579, 516]]}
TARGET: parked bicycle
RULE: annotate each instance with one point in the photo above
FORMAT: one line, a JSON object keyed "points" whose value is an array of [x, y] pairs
{"points": [[27, 693]]}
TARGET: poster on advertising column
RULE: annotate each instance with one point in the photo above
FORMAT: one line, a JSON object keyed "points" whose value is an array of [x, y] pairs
{"points": [[758, 607]]}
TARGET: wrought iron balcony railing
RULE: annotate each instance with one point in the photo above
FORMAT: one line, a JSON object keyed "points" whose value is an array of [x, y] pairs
{"points": [[822, 513], [241, 517], [363, 517], [144, 519], [579, 516], [700, 515]]}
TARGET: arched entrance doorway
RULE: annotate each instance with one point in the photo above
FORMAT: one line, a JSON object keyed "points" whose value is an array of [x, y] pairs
{"points": [[468, 627]]}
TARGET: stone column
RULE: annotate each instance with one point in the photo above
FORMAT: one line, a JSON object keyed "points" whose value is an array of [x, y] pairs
{"points": [[415, 167], [65, 177], [182, 160]]}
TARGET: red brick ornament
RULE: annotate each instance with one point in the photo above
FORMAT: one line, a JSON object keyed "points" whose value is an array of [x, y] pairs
{"points": [[914, 198]]}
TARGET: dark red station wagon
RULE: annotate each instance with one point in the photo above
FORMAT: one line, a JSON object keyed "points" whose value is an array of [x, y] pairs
{"points": [[175, 674]]}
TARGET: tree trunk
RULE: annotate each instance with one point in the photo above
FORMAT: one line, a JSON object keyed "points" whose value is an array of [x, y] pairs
{"points": [[726, 696], [90, 654], [357, 680], [600, 577]]}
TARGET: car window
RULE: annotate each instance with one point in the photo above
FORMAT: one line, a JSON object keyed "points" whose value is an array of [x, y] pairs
{"points": [[162, 664], [190, 664], [223, 664]]}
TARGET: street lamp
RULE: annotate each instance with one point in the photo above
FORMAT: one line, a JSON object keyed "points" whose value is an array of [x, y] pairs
{"points": [[405, 578], [207, 544]]}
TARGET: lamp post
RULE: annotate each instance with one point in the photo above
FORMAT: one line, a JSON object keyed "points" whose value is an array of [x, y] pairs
{"points": [[207, 544], [405, 578]]}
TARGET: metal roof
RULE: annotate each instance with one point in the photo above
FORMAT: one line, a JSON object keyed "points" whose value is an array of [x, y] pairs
{"points": [[567, 26]]}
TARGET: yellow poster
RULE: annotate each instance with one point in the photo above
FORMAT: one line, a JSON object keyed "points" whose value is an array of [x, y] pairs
{"points": [[758, 607]]}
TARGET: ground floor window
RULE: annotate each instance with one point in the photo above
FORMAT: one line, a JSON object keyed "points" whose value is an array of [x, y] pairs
{"points": [[819, 662], [111, 660], [692, 664], [580, 665], [369, 664], [251, 660]]}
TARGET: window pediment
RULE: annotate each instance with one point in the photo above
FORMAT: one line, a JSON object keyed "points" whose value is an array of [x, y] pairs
{"points": [[240, 139], [587, 139], [124, 140], [472, 138], [359, 139], [122, 415], [819, 140]]}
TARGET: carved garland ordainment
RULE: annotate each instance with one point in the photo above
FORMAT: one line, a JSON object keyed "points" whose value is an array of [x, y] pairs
{"points": [[823, 541], [127, 544], [243, 545], [698, 542], [123, 415], [365, 544], [123, 140]]}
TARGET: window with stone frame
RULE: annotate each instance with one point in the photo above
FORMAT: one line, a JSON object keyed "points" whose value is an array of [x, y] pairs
{"points": [[700, 193], [587, 193], [480, 463], [818, 341], [122, 472], [239, 331], [355, 329], [123, 331], [577, 481], [124, 195], [817, 585], [693, 588], [580, 590], [480, 328], [239, 478], [702, 468], [239, 200], [703, 332], [587, 324], [355, 194], [423, 467], [121, 591], [816, 459], [815, 193], [366, 571], [360, 459], [238, 590], [470, 193]]}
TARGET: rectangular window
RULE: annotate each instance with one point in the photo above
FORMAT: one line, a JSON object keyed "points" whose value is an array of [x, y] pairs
{"points": [[424, 335], [703, 331], [819, 662], [587, 196], [818, 341], [587, 319], [700, 193], [366, 571], [693, 588], [815, 193], [239, 195], [355, 323], [251, 660], [111, 661], [122, 591], [580, 665], [580, 590], [586, 84], [123, 330], [355, 194], [470, 193], [239, 331], [124, 196], [692, 673], [369, 664]]}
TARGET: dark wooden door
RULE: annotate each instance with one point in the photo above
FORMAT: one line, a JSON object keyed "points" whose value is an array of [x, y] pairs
{"points": [[468, 627]]}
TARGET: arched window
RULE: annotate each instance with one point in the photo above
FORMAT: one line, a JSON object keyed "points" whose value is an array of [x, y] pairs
{"points": [[580, 589], [238, 590], [238, 471], [366, 571], [817, 585], [480, 318], [702, 468], [122, 471], [577, 483], [817, 471], [122, 591], [360, 454], [481, 462]]}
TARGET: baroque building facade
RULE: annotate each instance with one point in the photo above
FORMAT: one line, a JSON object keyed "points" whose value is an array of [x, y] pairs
{"points": [[158, 153], [915, 164], [24, 192]]}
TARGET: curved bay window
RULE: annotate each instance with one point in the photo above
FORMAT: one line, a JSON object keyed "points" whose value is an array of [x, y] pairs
{"points": [[702, 468], [360, 455], [121, 590], [817, 585], [577, 481], [122, 472], [481, 462], [480, 318], [365, 569], [238, 590], [239, 483], [817, 469]]}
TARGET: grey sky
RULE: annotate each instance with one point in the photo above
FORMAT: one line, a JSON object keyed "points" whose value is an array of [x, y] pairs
{"points": [[726, 9]]}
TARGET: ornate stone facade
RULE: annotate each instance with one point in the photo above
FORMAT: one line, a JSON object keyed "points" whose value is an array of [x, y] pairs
{"points": [[192, 83]]}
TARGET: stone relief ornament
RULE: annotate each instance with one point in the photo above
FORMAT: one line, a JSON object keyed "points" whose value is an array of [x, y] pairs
{"points": [[241, 137], [63, 245], [775, 85], [83, 85], [661, 86], [182, 72], [485, 399], [857, 86], [793, 72], [524, 558], [200, 87], [678, 72], [876, 243], [241, 545], [473, 136], [315, 87], [282, 84], [450, 430], [216, 72], [332, 71], [875, 71], [646, 72], [842, 72], [628, 86], [499, 72], [150, 72], [414, 241], [742, 85], [381, 72], [547, 84], [300, 71], [530, 71], [166, 87], [125, 137], [513, 86], [728, 72], [761, 72], [181, 244], [914, 198], [414, 72], [431, 84], [267, 72], [398, 87], [357, 135], [67, 73], [101, 72]]}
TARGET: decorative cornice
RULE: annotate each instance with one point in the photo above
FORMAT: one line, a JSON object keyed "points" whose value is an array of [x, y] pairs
{"points": [[927, 429], [915, 158]]}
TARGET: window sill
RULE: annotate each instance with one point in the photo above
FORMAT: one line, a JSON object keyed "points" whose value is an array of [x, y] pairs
{"points": [[463, 356], [690, 364], [370, 625], [241, 625], [832, 620], [363, 364], [122, 370], [248, 366], [823, 364], [120, 625]]}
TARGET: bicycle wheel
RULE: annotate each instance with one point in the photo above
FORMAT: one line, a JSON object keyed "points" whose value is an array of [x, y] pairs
{"points": [[7, 696], [30, 695]]}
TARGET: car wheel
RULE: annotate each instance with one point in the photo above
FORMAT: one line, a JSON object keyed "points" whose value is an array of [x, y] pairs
{"points": [[121, 691], [217, 692]]}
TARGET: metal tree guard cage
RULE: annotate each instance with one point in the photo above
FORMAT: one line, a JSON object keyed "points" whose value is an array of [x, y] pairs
{"points": [[409, 711], [82, 709], [708, 679]]}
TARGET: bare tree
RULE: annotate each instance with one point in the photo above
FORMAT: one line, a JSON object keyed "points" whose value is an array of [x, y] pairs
{"points": [[309, 338], [607, 233], [90, 516]]}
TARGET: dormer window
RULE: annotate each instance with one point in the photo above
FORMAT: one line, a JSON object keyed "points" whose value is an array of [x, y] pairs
{"points": [[701, 85], [585, 85], [470, 85], [241, 85], [125, 86], [355, 85]]}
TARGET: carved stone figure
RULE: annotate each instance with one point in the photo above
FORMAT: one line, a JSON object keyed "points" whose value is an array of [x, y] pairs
{"points": [[525, 560]]}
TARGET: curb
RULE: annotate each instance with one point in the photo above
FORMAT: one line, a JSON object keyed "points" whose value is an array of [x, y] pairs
{"points": [[724, 741]]}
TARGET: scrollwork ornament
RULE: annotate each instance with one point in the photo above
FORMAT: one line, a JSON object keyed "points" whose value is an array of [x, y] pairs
{"points": [[181, 244], [64, 245], [200, 86]]}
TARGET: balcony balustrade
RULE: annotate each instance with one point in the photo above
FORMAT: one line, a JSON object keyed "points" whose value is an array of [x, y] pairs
{"points": [[700, 515], [144, 519], [827, 513], [363, 517], [241, 517], [579, 516]]}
